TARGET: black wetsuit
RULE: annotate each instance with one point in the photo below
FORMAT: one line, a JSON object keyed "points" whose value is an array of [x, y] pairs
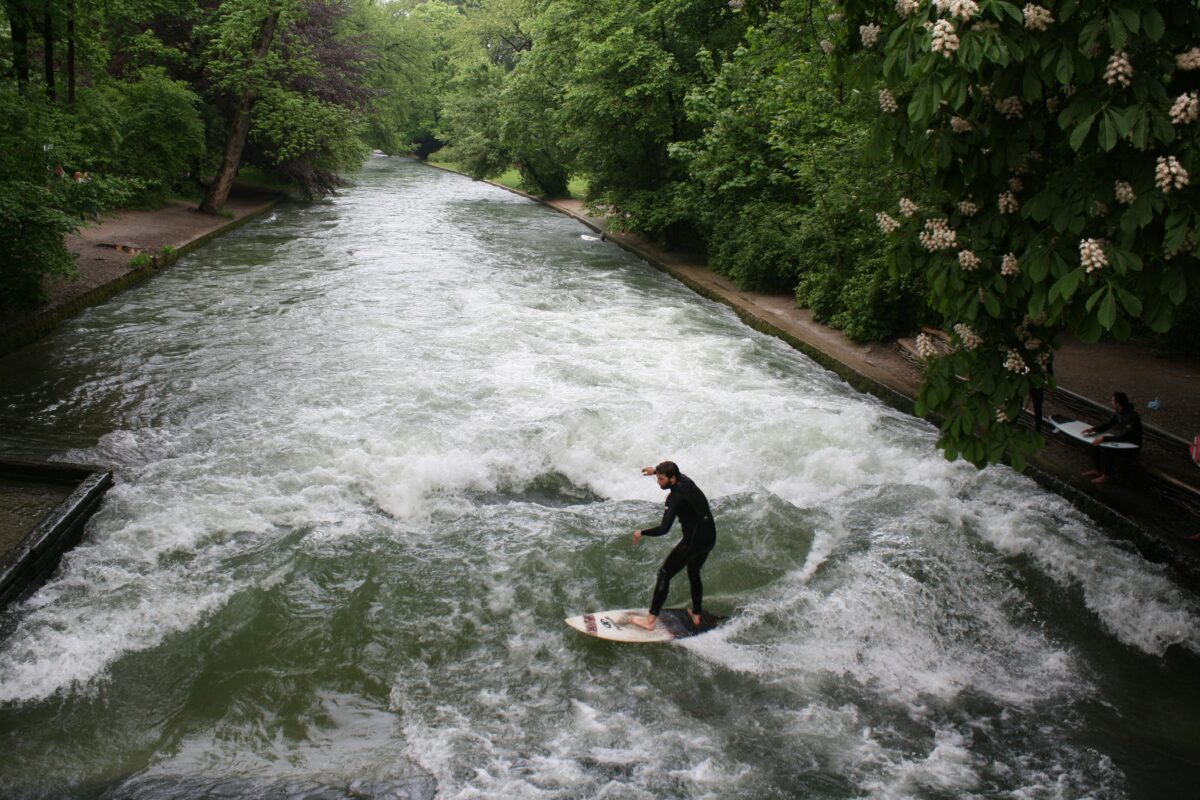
{"points": [[687, 502], [1128, 424]]}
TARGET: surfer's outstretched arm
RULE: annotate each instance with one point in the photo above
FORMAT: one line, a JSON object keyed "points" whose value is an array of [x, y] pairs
{"points": [[668, 517]]}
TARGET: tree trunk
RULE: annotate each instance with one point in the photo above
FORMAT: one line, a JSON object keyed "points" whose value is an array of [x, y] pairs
{"points": [[48, 49], [71, 53], [218, 193], [18, 21]]}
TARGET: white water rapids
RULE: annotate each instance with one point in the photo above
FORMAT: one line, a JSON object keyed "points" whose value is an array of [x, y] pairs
{"points": [[371, 451]]}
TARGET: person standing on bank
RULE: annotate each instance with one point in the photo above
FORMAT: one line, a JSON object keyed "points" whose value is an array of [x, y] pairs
{"points": [[1126, 426], [687, 502]]}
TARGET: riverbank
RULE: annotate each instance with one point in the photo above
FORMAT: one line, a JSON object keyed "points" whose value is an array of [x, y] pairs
{"points": [[1127, 509], [123, 249]]}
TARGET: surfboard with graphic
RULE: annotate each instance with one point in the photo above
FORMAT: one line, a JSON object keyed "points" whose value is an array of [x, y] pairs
{"points": [[614, 626]]}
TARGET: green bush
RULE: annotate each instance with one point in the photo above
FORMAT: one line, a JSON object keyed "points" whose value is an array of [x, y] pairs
{"points": [[162, 131], [40, 149]]}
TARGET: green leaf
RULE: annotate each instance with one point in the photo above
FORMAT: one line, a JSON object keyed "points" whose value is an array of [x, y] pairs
{"points": [[1081, 131], [1130, 302], [1037, 303], [1108, 131], [1037, 264], [1130, 17], [1108, 310], [991, 304], [1065, 69], [1116, 30], [1065, 286], [1124, 119], [1152, 24], [1160, 315]]}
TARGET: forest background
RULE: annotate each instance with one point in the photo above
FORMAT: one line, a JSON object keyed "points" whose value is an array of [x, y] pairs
{"points": [[1010, 174]]}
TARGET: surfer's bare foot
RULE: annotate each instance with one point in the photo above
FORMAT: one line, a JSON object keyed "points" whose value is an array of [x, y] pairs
{"points": [[696, 620], [643, 620]]}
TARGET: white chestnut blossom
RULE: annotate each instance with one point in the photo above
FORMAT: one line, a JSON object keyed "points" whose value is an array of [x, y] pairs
{"points": [[1124, 192], [1091, 255], [1169, 174], [968, 260], [1009, 266], [1119, 70], [1010, 107], [1188, 60], [735, 4], [1016, 184], [887, 102], [827, 46], [837, 16], [1186, 108], [962, 9], [1014, 363], [945, 40], [907, 207], [1008, 203], [1001, 416], [1098, 208], [906, 8], [886, 223], [925, 346], [968, 208], [960, 124], [938, 235], [869, 34], [1037, 18], [970, 339]]}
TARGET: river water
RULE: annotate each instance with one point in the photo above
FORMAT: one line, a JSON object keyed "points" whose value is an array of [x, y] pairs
{"points": [[371, 451]]}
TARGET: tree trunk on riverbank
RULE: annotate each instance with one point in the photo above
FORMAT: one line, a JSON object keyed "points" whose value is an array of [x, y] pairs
{"points": [[48, 52], [218, 191], [18, 23]]}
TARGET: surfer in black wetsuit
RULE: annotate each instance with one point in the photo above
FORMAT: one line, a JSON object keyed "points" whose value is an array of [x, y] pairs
{"points": [[687, 502]]}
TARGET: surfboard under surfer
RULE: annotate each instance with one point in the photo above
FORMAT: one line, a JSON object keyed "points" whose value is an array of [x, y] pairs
{"points": [[689, 504]]}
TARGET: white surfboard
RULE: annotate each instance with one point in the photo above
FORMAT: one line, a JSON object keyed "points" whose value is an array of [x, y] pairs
{"points": [[1075, 429], [614, 626]]}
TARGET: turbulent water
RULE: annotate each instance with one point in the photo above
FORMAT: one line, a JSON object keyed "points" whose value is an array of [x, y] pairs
{"points": [[371, 451]]}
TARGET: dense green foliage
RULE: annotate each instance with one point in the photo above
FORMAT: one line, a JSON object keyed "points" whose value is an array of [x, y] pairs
{"points": [[1057, 143], [138, 96], [1010, 173]]}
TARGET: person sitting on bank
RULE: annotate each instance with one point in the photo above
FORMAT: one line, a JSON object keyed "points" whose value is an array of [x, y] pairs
{"points": [[1126, 426]]}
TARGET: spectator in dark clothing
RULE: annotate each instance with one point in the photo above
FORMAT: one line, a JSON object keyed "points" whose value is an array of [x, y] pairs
{"points": [[1038, 396], [1126, 426]]}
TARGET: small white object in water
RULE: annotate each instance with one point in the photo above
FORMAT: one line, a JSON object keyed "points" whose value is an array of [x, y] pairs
{"points": [[587, 237]]}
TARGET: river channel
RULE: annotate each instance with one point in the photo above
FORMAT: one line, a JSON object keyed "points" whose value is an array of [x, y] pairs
{"points": [[371, 451]]}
